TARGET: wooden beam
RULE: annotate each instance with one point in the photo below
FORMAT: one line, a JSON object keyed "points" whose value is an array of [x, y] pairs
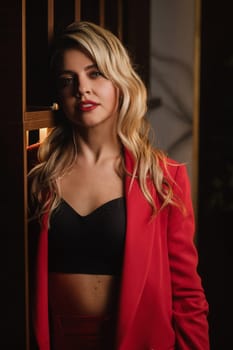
{"points": [[38, 119], [50, 19], [77, 10], [102, 13], [120, 20]]}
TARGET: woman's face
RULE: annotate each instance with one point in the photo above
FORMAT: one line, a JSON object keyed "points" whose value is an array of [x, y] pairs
{"points": [[88, 99]]}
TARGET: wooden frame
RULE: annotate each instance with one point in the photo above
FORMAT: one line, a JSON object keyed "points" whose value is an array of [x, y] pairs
{"points": [[196, 104]]}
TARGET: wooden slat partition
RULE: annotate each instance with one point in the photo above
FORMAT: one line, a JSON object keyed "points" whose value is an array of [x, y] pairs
{"points": [[27, 27], [43, 116]]}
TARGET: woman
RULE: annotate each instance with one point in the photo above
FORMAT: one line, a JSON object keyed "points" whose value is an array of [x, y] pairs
{"points": [[116, 266]]}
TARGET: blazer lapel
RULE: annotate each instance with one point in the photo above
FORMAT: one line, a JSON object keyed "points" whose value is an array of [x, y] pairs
{"points": [[138, 248]]}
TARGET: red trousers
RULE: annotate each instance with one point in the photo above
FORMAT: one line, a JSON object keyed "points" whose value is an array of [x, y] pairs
{"points": [[74, 332]]}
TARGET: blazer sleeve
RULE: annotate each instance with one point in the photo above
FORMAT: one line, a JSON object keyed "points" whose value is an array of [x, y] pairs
{"points": [[190, 307]]}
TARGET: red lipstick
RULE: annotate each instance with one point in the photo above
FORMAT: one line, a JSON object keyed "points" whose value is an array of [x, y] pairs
{"points": [[87, 105]]}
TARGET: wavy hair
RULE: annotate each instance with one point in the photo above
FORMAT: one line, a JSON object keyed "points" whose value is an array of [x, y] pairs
{"points": [[58, 151]]}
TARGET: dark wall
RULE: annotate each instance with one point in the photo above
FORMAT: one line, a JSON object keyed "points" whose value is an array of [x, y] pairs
{"points": [[215, 223], [12, 184]]}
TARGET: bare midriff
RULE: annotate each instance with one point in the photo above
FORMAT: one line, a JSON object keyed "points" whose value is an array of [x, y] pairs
{"points": [[83, 294]]}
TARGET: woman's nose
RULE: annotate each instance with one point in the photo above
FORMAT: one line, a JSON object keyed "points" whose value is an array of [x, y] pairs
{"points": [[83, 87]]}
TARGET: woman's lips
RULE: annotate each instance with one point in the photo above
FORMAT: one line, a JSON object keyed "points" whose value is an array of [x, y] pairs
{"points": [[87, 105]]}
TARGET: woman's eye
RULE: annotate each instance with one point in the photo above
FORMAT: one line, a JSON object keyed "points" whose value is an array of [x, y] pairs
{"points": [[65, 81], [96, 74]]}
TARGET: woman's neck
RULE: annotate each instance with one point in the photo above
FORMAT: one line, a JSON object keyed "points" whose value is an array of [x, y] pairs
{"points": [[94, 146]]}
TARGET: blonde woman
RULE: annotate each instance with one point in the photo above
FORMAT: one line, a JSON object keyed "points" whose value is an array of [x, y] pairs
{"points": [[115, 262]]}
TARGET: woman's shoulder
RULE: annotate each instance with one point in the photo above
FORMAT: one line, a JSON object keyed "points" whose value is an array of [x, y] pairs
{"points": [[173, 169], [168, 163]]}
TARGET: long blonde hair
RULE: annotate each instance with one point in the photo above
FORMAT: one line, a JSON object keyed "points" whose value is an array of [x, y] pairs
{"points": [[58, 151]]}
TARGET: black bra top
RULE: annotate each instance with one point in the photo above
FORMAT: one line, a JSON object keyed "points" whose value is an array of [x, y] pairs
{"points": [[92, 244]]}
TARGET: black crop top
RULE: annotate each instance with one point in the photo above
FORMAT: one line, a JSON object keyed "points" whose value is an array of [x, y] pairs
{"points": [[92, 244]]}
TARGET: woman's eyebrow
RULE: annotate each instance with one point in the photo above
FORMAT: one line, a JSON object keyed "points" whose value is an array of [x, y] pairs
{"points": [[94, 65], [67, 71]]}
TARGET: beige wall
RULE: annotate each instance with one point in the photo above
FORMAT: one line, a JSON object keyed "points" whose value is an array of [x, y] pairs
{"points": [[172, 76]]}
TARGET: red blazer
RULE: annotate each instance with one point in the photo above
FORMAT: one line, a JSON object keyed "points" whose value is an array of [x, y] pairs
{"points": [[162, 302]]}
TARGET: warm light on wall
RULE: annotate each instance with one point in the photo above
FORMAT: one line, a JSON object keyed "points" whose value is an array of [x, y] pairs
{"points": [[37, 135], [27, 137], [42, 134]]}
